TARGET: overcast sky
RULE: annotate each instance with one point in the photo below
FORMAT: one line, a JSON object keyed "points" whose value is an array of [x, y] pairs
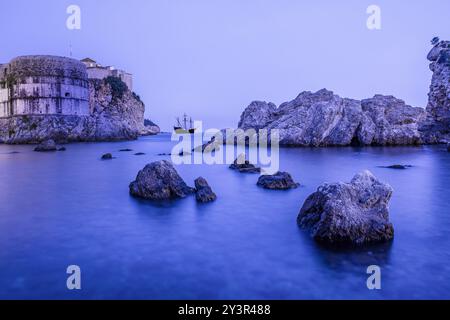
{"points": [[212, 58]]}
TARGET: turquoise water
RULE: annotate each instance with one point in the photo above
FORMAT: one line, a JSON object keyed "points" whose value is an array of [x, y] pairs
{"points": [[64, 208]]}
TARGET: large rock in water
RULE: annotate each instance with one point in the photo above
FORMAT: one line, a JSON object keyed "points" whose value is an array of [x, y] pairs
{"points": [[159, 181], [325, 119], [355, 212], [203, 192], [436, 128], [277, 181]]}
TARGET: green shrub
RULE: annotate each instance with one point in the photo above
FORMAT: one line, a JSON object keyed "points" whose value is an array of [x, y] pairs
{"points": [[118, 87]]}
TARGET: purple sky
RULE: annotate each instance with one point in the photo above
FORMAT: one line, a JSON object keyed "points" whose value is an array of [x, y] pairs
{"points": [[212, 58]]}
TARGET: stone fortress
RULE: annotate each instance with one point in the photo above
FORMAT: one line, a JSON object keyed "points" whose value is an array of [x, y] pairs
{"points": [[97, 71], [49, 97], [40, 85], [50, 85]]}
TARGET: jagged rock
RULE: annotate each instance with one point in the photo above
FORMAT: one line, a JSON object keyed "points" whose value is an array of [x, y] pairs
{"points": [[243, 165], [355, 212], [159, 181], [389, 121], [150, 128], [257, 115], [46, 146], [436, 128], [325, 119], [278, 181], [210, 146], [203, 191]]}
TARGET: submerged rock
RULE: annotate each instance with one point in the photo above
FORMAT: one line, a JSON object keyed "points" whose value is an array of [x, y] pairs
{"points": [[203, 191], [139, 154], [278, 181], [125, 150], [243, 165], [355, 212], [107, 156], [46, 146], [159, 181], [398, 166]]}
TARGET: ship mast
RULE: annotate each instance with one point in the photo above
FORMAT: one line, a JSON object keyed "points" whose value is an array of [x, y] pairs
{"points": [[185, 121], [190, 123]]}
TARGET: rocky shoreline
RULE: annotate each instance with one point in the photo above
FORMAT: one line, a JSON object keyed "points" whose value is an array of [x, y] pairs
{"points": [[323, 119]]}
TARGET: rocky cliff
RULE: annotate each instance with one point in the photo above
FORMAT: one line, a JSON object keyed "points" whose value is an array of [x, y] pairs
{"points": [[116, 113], [436, 128], [325, 119]]}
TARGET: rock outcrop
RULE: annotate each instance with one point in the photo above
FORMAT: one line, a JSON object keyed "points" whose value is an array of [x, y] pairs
{"points": [[203, 192], [242, 165], [277, 181], [355, 212], [325, 119], [159, 181], [46, 146], [436, 128], [150, 128]]}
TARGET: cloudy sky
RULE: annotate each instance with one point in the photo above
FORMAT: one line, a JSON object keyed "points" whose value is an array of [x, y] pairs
{"points": [[212, 58]]}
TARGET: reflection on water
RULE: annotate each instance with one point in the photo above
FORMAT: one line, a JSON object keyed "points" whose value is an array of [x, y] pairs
{"points": [[70, 207]]}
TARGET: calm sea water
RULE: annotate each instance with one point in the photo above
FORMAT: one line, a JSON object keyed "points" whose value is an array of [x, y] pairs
{"points": [[58, 209]]}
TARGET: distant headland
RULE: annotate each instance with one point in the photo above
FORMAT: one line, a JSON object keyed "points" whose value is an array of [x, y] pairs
{"points": [[67, 100]]}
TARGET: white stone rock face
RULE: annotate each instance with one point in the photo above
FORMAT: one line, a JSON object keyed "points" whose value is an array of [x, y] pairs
{"points": [[325, 119], [436, 129]]}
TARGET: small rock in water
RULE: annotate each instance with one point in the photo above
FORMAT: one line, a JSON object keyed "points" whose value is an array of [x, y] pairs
{"points": [[159, 181], [46, 146], [349, 213], [107, 156], [243, 165], [210, 146], [62, 149], [125, 150], [13, 152], [398, 166], [448, 147], [203, 191], [184, 153], [139, 154], [164, 154], [278, 181]]}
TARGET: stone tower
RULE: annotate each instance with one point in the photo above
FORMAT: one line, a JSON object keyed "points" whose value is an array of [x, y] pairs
{"points": [[43, 85]]}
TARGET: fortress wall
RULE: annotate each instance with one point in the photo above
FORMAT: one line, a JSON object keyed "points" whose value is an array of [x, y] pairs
{"points": [[38, 85], [98, 73]]}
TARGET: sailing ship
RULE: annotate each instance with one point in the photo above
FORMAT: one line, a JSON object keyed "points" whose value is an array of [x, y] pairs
{"points": [[182, 128]]}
